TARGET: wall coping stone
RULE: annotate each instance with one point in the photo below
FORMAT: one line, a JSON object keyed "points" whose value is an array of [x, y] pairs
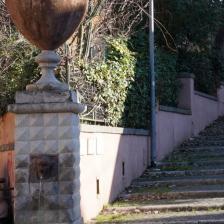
{"points": [[113, 130], [210, 97], [175, 110], [67, 107], [186, 75]]}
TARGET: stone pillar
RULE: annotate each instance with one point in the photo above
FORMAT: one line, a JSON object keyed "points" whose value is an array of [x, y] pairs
{"points": [[47, 155], [220, 96], [186, 95]]}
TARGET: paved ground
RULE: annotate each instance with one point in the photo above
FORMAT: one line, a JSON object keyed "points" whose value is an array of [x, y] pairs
{"points": [[187, 187]]}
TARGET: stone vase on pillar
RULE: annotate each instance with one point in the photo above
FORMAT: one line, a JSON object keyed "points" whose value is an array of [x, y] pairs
{"points": [[47, 123], [47, 24]]}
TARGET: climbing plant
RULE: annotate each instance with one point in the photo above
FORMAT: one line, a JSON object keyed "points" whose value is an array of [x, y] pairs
{"points": [[112, 78], [107, 59], [17, 68], [121, 83]]}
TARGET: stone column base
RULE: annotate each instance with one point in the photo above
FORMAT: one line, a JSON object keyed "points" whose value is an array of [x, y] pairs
{"points": [[47, 156]]}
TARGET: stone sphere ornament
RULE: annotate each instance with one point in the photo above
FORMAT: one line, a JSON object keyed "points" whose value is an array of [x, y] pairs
{"points": [[47, 24]]}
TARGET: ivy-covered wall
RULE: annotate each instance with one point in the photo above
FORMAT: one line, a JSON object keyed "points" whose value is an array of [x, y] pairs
{"points": [[107, 60], [122, 82]]}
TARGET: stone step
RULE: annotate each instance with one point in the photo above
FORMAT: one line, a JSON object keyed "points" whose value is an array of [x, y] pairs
{"points": [[195, 217], [205, 140], [207, 137], [211, 134], [195, 157], [167, 222], [197, 143], [186, 187], [171, 195], [189, 165], [157, 173], [205, 204], [213, 221], [199, 149], [179, 181], [172, 192], [213, 131]]}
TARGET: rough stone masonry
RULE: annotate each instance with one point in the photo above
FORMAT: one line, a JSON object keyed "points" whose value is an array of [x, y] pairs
{"points": [[47, 155]]}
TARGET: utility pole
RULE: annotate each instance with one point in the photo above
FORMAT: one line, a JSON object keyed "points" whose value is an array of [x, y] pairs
{"points": [[153, 83]]}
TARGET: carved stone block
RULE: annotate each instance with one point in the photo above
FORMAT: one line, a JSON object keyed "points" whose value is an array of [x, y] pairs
{"points": [[43, 167]]}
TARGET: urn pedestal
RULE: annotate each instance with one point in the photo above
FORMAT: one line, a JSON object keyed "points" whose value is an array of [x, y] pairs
{"points": [[47, 122], [47, 158]]}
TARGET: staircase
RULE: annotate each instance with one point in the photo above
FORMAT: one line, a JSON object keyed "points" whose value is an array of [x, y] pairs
{"points": [[187, 187]]}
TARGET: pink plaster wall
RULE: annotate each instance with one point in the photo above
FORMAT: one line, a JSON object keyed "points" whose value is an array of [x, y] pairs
{"points": [[172, 130], [173, 127], [204, 112], [220, 95], [186, 94], [104, 149], [102, 155]]}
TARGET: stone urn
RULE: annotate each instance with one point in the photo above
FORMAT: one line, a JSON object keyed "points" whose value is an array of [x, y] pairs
{"points": [[47, 24]]}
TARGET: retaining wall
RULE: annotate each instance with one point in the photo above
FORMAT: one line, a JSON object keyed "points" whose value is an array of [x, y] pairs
{"points": [[173, 127], [195, 111], [112, 157]]}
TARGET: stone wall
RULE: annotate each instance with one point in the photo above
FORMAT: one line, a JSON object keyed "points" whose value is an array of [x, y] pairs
{"points": [[195, 111], [110, 158], [47, 168], [173, 127]]}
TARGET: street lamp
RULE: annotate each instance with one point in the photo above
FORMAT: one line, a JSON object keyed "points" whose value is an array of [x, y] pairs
{"points": [[153, 83]]}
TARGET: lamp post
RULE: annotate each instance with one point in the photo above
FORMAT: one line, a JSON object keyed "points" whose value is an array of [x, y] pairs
{"points": [[153, 83]]}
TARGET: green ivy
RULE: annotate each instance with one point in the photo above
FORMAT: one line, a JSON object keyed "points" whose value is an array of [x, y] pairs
{"points": [[123, 85], [17, 68], [112, 79], [167, 83], [121, 81]]}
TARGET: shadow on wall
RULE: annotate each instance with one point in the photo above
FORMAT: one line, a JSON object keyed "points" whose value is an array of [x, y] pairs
{"points": [[110, 159]]}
